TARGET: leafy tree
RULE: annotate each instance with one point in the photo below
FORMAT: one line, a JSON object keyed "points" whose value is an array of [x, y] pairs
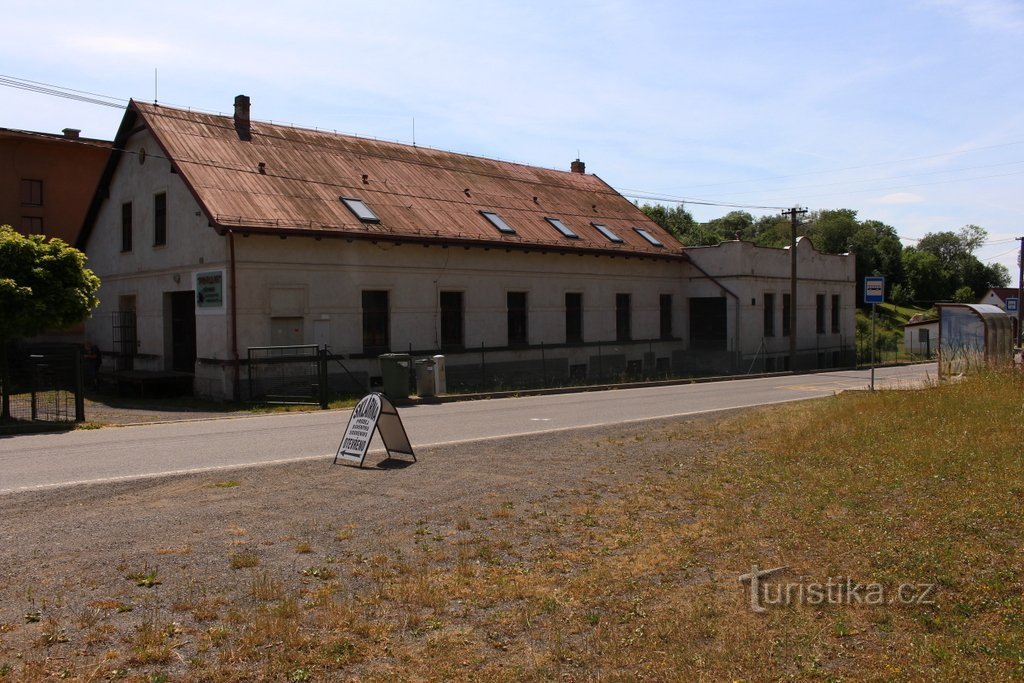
{"points": [[998, 276], [733, 225], [766, 231], [901, 294], [882, 240], [924, 275], [43, 286], [772, 230], [876, 245], [964, 295], [680, 223], [832, 231], [941, 264], [955, 266], [676, 220]]}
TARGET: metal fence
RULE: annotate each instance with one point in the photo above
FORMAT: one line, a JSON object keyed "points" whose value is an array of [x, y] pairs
{"points": [[541, 366], [46, 384], [309, 375], [126, 339], [888, 352], [287, 374]]}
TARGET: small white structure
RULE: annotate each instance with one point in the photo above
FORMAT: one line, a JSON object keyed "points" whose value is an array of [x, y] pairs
{"points": [[997, 296], [739, 302], [921, 336]]}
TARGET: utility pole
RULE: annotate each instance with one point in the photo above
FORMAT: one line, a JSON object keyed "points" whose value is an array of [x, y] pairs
{"points": [[1020, 290], [793, 222]]}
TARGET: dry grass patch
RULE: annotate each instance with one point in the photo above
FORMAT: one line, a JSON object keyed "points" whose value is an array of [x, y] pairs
{"points": [[243, 559]]}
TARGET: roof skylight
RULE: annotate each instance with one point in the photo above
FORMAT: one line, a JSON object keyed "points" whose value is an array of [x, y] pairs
{"points": [[360, 209], [649, 237], [498, 222], [562, 228], [607, 232]]}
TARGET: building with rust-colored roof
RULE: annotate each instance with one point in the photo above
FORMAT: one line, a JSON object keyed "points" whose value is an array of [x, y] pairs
{"points": [[214, 235], [46, 180]]}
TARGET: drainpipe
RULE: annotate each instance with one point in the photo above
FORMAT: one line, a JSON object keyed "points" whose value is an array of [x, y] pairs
{"points": [[236, 393]]}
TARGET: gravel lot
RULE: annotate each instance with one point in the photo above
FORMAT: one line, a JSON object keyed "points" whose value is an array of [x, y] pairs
{"points": [[65, 595]]}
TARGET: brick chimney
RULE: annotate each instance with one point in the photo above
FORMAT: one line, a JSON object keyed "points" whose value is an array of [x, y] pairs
{"points": [[242, 126], [71, 133], [578, 167]]}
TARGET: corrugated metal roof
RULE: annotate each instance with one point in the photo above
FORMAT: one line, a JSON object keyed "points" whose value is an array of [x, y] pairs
{"points": [[418, 193]]}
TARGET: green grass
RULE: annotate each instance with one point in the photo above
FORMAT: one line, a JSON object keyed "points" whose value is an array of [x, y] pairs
{"points": [[899, 313], [889, 344]]}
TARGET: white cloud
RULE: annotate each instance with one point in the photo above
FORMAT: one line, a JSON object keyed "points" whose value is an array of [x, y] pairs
{"points": [[900, 198], [116, 45], [992, 15]]}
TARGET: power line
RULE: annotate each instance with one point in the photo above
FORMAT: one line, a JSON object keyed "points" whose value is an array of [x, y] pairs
{"points": [[876, 164], [115, 102], [1002, 253], [66, 93], [880, 180], [639, 194]]}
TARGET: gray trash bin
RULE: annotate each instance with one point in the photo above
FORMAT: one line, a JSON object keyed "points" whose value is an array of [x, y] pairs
{"points": [[394, 370], [425, 385]]}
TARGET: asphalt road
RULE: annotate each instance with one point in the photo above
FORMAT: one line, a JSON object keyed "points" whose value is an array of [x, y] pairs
{"points": [[78, 457]]}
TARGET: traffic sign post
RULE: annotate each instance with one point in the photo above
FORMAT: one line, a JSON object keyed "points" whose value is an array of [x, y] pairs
{"points": [[874, 290], [1011, 304], [874, 293]]}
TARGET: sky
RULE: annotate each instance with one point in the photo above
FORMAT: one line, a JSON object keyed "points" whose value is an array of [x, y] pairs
{"points": [[910, 112]]}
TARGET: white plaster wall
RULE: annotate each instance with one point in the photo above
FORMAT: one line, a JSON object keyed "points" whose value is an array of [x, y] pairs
{"points": [[148, 271], [992, 299], [911, 343], [750, 271], [328, 277]]}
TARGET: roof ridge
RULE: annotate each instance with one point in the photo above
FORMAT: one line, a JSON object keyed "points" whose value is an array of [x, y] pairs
{"points": [[160, 108], [287, 180]]}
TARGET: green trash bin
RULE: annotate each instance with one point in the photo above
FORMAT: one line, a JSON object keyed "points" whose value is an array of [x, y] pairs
{"points": [[394, 370]]}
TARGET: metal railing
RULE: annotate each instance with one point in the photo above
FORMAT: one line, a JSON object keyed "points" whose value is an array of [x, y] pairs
{"points": [[46, 384]]}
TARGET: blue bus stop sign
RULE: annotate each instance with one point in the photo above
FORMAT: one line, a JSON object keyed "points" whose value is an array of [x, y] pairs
{"points": [[1011, 304], [874, 290]]}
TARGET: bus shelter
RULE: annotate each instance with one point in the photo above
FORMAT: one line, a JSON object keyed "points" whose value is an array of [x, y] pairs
{"points": [[973, 336]]}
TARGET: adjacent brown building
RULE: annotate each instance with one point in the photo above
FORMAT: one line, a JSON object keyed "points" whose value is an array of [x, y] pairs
{"points": [[47, 180]]}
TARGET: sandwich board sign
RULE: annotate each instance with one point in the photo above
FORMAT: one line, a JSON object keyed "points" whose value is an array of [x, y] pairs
{"points": [[373, 412]]}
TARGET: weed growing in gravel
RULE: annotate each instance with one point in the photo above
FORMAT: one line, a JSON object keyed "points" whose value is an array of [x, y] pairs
{"points": [[323, 572], [147, 577], [52, 633], [151, 643], [264, 587], [243, 559]]}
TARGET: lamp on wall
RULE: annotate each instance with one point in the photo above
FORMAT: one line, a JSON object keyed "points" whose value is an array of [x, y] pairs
{"points": [[177, 278]]}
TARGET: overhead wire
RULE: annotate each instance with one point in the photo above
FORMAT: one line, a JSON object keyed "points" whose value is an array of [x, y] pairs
{"points": [[57, 91], [115, 102], [872, 165]]}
